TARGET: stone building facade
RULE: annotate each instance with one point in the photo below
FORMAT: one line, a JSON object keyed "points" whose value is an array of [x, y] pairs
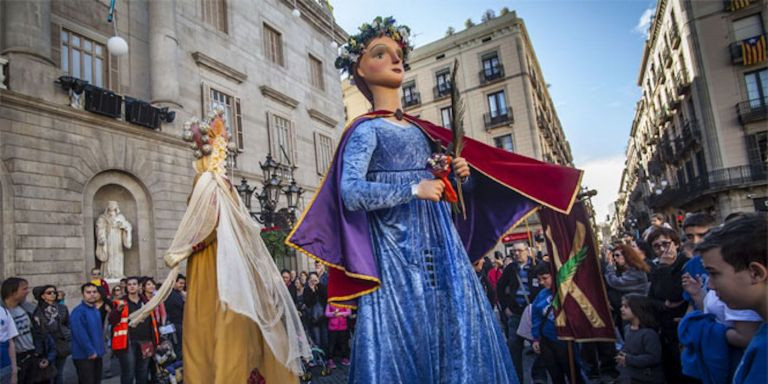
{"points": [[60, 163], [505, 96], [699, 139]]}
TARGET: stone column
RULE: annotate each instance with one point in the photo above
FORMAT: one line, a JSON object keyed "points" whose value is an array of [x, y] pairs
{"points": [[163, 53], [26, 33]]}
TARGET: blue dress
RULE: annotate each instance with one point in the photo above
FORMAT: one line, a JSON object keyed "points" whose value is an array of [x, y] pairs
{"points": [[430, 321]]}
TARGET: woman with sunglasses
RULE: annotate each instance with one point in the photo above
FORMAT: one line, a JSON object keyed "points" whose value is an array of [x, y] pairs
{"points": [[53, 321], [625, 273], [667, 292]]}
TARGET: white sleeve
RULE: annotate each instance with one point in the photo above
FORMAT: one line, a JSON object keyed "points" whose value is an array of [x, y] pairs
{"points": [[8, 330], [742, 315]]}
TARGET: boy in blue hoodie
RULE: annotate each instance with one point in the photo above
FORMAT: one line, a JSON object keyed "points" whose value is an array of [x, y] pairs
{"points": [[734, 256], [87, 338]]}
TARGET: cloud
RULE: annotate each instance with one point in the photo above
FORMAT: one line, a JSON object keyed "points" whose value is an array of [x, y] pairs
{"points": [[645, 21], [603, 175]]}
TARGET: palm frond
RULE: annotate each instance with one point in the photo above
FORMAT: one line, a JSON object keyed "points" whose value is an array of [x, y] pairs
{"points": [[457, 129]]}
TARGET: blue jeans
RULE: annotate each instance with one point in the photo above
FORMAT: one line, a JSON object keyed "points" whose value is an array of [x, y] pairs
{"points": [[132, 365]]}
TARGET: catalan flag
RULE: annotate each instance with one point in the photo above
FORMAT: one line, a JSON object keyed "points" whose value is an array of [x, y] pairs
{"points": [[735, 5], [753, 50]]}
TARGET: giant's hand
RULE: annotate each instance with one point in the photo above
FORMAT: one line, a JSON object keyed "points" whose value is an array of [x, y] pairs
{"points": [[460, 167], [430, 190]]}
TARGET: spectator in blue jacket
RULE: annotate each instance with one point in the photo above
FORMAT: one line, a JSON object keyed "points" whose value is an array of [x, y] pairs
{"points": [[87, 338], [554, 353]]}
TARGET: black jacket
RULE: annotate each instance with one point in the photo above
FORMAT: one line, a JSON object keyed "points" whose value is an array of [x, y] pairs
{"points": [[174, 307], [508, 284]]}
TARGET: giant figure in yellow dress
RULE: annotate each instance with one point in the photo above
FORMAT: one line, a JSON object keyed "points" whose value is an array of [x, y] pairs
{"points": [[239, 315]]}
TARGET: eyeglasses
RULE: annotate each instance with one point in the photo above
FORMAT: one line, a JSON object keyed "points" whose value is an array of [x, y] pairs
{"points": [[96, 273], [49, 293], [661, 245]]}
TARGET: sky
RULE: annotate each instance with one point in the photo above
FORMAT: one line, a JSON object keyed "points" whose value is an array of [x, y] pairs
{"points": [[589, 53]]}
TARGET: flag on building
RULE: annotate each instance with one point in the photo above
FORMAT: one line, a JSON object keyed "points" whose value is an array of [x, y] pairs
{"points": [[753, 50], [581, 311], [735, 5]]}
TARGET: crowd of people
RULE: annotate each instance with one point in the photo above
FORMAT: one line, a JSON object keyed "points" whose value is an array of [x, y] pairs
{"points": [[688, 307], [328, 327], [675, 297], [37, 339]]}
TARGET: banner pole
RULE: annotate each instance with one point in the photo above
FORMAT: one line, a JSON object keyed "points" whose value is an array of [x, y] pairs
{"points": [[571, 362]]}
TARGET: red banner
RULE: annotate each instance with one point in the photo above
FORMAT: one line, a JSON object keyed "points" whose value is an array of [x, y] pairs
{"points": [[582, 312]]}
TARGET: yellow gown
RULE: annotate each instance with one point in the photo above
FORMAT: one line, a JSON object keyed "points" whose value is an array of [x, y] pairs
{"points": [[220, 346]]}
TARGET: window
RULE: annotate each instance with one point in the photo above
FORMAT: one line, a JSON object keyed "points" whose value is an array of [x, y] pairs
{"points": [[232, 112], [83, 58], [497, 104], [491, 65], [504, 142], [446, 114], [747, 27], [443, 80], [323, 152], [215, 14], [282, 140], [273, 45], [757, 87], [316, 73], [410, 96]]}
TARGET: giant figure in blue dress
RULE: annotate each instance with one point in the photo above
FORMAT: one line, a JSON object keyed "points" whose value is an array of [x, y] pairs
{"points": [[391, 243]]}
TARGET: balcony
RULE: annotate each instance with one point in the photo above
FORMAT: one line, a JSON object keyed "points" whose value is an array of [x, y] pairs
{"points": [[667, 151], [753, 110], [691, 134], [488, 75], [442, 90], [667, 58], [411, 100], [737, 55], [103, 102], [682, 82], [674, 35], [711, 182], [503, 117]]}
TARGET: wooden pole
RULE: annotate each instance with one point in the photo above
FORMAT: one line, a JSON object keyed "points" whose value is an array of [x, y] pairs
{"points": [[571, 362]]}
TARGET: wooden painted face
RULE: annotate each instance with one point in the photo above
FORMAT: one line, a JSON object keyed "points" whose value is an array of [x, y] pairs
{"points": [[382, 64]]}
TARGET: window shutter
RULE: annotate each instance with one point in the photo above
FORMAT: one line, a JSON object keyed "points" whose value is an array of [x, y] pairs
{"points": [[271, 134], [239, 125], [318, 154], [205, 98], [294, 153], [114, 73], [56, 44]]}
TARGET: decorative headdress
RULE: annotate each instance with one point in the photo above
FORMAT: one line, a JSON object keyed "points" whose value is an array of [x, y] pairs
{"points": [[210, 141], [353, 49]]}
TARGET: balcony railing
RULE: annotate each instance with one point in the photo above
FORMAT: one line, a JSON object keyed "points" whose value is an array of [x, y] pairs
{"points": [[411, 100], [682, 82], [674, 35], [753, 110], [488, 75], [500, 118], [667, 58], [442, 90], [712, 181], [737, 55], [691, 134]]}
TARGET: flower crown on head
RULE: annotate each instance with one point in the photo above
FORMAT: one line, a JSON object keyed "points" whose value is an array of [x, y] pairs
{"points": [[353, 49]]}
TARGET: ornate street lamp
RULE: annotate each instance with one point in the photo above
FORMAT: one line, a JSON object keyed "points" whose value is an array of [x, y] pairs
{"points": [[269, 196]]}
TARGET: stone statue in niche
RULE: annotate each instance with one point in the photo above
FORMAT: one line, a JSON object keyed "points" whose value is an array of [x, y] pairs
{"points": [[113, 233]]}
